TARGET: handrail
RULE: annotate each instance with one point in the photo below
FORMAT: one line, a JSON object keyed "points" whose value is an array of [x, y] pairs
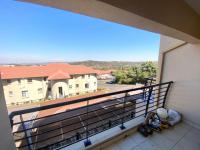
{"points": [[40, 108], [118, 111]]}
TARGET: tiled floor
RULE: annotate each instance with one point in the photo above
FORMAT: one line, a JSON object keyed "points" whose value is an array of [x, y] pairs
{"points": [[180, 137]]}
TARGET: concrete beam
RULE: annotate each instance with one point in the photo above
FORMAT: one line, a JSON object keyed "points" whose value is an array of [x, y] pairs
{"points": [[172, 17]]}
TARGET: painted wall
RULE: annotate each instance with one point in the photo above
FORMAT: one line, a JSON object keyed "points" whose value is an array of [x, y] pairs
{"points": [[181, 65], [17, 87], [55, 88], [81, 81], [6, 137]]}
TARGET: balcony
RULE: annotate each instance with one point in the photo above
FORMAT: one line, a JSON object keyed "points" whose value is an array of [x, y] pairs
{"points": [[64, 124], [178, 23]]}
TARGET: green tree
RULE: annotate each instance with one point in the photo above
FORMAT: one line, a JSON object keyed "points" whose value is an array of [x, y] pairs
{"points": [[135, 74]]}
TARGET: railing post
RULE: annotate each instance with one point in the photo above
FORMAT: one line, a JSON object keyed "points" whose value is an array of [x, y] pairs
{"points": [[30, 147], [149, 96], [124, 107], [169, 84], [87, 142], [109, 124], [78, 136], [144, 91]]}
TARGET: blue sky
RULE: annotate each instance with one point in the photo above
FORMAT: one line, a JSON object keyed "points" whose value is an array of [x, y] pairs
{"points": [[33, 33]]}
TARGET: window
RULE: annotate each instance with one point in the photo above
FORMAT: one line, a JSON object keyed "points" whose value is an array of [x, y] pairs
{"points": [[88, 75], [83, 76], [70, 86], [39, 90], [87, 85], [10, 93], [77, 85], [49, 89], [25, 93], [95, 83], [30, 80], [19, 81], [8, 81], [70, 94], [77, 93], [45, 79], [60, 90]]}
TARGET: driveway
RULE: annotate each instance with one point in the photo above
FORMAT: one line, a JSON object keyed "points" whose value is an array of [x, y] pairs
{"points": [[115, 87]]}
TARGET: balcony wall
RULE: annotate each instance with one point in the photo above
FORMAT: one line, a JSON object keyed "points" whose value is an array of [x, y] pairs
{"points": [[181, 63], [6, 138]]}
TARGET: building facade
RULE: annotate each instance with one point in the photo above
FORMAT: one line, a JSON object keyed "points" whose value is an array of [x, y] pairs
{"points": [[25, 84]]}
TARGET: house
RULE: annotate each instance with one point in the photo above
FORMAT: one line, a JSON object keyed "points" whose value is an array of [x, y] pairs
{"points": [[105, 74], [25, 84]]}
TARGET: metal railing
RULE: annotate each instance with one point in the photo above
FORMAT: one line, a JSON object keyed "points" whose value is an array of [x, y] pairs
{"points": [[62, 124]]}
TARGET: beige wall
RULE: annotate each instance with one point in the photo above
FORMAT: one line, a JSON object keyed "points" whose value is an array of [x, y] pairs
{"points": [[17, 87], [78, 79], [6, 138], [39, 83], [69, 86], [181, 65]]}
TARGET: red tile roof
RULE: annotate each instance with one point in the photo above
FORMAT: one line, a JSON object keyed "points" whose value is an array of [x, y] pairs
{"points": [[102, 72], [52, 71], [59, 75]]}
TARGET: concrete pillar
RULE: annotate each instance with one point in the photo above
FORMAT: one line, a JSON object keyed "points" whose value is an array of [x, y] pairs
{"points": [[6, 138]]}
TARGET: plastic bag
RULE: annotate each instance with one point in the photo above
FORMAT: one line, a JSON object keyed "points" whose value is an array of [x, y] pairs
{"points": [[173, 117]]}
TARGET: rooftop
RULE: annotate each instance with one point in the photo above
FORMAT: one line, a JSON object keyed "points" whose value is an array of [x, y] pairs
{"points": [[52, 71]]}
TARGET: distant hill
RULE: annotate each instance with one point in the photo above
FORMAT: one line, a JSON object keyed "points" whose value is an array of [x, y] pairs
{"points": [[104, 65]]}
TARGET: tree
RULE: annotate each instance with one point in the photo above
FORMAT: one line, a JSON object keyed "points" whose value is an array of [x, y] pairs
{"points": [[136, 74]]}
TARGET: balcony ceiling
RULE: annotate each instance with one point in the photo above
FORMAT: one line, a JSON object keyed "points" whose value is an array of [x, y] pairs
{"points": [[195, 4], [175, 18]]}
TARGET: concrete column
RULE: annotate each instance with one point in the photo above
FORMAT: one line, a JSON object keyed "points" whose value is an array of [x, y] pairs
{"points": [[6, 138]]}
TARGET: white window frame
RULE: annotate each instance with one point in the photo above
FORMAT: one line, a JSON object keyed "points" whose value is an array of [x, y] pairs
{"points": [[25, 93], [40, 90], [30, 80], [87, 85], [8, 81], [10, 93]]}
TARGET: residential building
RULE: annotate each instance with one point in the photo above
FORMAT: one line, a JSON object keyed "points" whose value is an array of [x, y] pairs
{"points": [[25, 84]]}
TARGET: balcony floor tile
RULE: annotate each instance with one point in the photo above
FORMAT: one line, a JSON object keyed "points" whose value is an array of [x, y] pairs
{"points": [[180, 137]]}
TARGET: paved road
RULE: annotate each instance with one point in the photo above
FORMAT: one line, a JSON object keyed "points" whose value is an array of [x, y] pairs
{"points": [[115, 87]]}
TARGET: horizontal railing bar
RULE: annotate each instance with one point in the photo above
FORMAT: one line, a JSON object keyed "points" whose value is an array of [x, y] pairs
{"points": [[67, 132], [130, 105], [89, 135], [80, 108], [109, 100], [67, 124], [156, 92], [73, 117], [12, 114], [73, 129], [157, 88], [82, 120]]}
